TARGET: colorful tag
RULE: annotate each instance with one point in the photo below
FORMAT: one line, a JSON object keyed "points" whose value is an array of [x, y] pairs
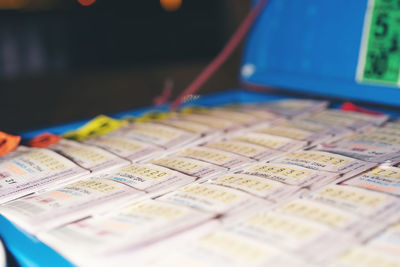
{"points": [[98, 126], [8, 143], [44, 140]]}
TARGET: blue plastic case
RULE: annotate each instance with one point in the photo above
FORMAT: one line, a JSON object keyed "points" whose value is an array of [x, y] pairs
{"points": [[312, 46]]}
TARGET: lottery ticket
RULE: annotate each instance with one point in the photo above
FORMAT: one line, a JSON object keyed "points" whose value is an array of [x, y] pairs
{"points": [[395, 125], [189, 126], [287, 232], [270, 141], [74, 201], [214, 156], [295, 108], [290, 174], [388, 241], [35, 169], [295, 235], [126, 228], [371, 147], [257, 110], [232, 115], [353, 120], [127, 148], [87, 156], [260, 187], [150, 178], [378, 207], [191, 167], [366, 257], [18, 151], [334, 132], [244, 149], [324, 161], [224, 248], [210, 121], [212, 198], [383, 178], [339, 220], [157, 134], [310, 137], [386, 130]]}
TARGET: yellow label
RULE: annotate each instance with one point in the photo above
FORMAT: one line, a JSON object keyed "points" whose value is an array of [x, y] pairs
{"points": [[283, 224], [234, 245], [318, 157], [354, 196], [94, 185], [383, 172], [85, 153], [205, 154], [178, 164], [234, 147], [98, 126], [45, 159], [265, 141], [211, 193], [155, 209], [254, 184], [193, 109], [145, 171], [314, 212], [284, 171]]}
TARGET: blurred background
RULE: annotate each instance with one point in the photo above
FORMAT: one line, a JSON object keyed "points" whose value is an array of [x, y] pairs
{"points": [[65, 60]]}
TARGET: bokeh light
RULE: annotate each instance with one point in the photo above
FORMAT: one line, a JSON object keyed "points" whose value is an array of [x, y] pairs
{"points": [[171, 5], [86, 2]]}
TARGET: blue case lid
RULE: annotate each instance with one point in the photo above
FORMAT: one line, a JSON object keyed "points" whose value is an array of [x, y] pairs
{"points": [[311, 46]]}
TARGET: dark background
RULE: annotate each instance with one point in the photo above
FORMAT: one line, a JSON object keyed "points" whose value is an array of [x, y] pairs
{"points": [[61, 61]]}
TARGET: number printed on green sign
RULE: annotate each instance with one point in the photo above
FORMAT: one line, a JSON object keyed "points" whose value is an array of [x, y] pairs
{"points": [[379, 60]]}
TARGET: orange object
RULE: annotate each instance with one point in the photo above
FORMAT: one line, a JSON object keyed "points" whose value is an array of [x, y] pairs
{"points": [[8, 143], [44, 140], [171, 5], [348, 106]]}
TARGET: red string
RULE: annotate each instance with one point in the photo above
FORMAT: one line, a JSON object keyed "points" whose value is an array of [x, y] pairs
{"points": [[229, 48], [165, 94]]}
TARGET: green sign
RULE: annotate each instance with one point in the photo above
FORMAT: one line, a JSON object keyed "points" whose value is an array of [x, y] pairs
{"points": [[379, 60]]}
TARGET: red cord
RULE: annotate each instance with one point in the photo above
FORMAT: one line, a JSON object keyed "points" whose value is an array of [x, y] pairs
{"points": [[229, 48], [165, 94]]}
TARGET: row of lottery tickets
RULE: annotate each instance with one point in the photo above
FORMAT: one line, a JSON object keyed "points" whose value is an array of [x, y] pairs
{"points": [[285, 183]]}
